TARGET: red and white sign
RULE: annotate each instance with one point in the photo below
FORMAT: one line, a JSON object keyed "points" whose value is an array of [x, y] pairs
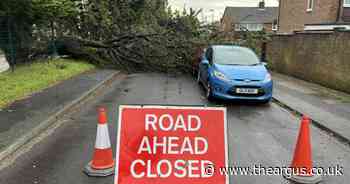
{"points": [[171, 145]]}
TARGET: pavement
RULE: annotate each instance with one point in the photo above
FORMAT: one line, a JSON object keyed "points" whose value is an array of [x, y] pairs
{"points": [[3, 64], [23, 118], [330, 109], [257, 134]]}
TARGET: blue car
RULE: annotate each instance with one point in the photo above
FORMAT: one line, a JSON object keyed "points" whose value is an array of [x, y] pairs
{"points": [[233, 72]]}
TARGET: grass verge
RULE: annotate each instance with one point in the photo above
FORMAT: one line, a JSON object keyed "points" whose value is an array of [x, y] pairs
{"points": [[28, 79]]}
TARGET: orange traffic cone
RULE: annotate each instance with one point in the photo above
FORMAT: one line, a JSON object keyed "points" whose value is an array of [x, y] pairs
{"points": [[102, 163], [302, 161]]}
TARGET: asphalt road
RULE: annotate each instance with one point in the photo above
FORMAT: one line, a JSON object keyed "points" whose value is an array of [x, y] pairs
{"points": [[257, 134]]}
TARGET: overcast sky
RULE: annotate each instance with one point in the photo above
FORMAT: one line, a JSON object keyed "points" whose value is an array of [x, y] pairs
{"points": [[217, 5]]}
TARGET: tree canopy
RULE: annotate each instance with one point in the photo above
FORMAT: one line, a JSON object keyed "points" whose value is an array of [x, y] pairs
{"points": [[131, 34]]}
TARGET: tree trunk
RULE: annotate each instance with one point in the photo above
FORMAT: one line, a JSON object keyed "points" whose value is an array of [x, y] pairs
{"points": [[54, 51]]}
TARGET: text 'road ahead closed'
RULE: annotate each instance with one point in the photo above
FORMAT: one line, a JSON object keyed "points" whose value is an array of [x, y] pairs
{"points": [[158, 144]]}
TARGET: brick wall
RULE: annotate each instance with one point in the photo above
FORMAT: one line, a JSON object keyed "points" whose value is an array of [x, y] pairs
{"points": [[293, 14], [319, 58]]}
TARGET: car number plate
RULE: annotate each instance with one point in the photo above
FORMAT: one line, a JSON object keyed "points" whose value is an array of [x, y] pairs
{"points": [[246, 91]]}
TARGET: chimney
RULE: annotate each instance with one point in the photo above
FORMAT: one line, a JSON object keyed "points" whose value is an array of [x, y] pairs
{"points": [[262, 4]]}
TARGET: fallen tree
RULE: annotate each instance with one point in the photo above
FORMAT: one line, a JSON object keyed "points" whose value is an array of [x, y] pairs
{"points": [[129, 34], [133, 35], [157, 51]]}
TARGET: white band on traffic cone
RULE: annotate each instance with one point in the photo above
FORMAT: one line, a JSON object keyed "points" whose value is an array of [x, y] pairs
{"points": [[102, 138]]}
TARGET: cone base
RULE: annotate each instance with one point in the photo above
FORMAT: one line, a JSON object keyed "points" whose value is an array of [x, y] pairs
{"points": [[304, 179], [102, 167], [98, 172]]}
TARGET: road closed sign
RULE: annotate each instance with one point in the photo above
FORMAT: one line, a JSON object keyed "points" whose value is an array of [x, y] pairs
{"points": [[171, 145]]}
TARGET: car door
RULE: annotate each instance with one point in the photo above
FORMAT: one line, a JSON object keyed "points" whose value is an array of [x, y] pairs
{"points": [[205, 64]]}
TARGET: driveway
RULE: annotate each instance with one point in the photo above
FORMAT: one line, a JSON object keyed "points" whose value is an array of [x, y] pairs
{"points": [[257, 135]]}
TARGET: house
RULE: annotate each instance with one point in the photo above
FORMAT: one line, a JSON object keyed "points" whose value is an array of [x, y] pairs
{"points": [[250, 18], [313, 15]]}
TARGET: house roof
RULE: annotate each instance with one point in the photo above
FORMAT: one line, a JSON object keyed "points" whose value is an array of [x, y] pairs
{"points": [[252, 14]]}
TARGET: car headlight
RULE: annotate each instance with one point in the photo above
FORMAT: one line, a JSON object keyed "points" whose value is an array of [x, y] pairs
{"points": [[220, 75], [267, 77]]}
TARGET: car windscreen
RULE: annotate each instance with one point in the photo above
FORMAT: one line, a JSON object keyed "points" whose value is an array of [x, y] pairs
{"points": [[235, 56]]}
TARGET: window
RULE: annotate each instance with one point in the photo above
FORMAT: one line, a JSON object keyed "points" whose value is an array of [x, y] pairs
{"points": [[229, 55], [346, 3], [255, 27], [249, 27], [310, 5], [237, 27]]}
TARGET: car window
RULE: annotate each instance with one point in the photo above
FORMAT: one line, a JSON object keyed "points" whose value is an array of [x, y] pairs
{"points": [[235, 56]]}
